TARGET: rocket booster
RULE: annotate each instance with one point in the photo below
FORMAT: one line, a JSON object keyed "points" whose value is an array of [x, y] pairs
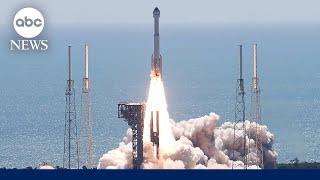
{"points": [[156, 59]]}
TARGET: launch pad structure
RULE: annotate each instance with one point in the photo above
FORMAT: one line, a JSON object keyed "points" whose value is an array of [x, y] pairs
{"points": [[133, 113], [239, 124], [71, 149]]}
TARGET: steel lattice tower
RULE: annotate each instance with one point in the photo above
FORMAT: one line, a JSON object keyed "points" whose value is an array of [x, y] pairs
{"points": [[239, 124], [133, 113], [71, 149], [86, 140], [256, 110]]}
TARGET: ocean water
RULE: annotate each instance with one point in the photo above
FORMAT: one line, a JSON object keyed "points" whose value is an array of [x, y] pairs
{"points": [[200, 64]]}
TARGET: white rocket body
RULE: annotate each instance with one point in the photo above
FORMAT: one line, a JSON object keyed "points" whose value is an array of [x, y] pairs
{"points": [[156, 59]]}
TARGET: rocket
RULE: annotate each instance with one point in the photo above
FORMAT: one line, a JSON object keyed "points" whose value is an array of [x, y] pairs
{"points": [[156, 71], [156, 59]]}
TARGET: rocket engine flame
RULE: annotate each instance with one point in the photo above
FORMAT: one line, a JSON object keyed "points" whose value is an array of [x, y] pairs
{"points": [[157, 102]]}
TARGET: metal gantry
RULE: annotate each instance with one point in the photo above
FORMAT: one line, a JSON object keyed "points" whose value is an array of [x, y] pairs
{"points": [[71, 149], [133, 113], [86, 138], [256, 111], [239, 124]]}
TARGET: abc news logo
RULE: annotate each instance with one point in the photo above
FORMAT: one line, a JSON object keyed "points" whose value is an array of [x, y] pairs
{"points": [[28, 23]]}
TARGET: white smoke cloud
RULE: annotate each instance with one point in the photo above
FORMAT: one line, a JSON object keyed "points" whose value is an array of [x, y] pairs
{"points": [[46, 167], [199, 144]]}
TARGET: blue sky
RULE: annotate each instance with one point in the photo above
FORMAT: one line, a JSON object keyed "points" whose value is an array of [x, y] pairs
{"points": [[172, 11]]}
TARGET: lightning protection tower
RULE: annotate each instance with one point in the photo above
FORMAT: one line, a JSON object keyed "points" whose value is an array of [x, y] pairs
{"points": [[240, 134], [71, 151], [86, 140], [256, 110]]}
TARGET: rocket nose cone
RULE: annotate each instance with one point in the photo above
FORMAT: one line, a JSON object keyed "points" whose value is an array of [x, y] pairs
{"points": [[156, 12]]}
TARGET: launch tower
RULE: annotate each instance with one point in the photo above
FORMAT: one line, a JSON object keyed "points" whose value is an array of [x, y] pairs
{"points": [[239, 124], [256, 109], [86, 140], [71, 151], [133, 113]]}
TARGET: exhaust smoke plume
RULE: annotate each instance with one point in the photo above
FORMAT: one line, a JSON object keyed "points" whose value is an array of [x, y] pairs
{"points": [[191, 144], [198, 144]]}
